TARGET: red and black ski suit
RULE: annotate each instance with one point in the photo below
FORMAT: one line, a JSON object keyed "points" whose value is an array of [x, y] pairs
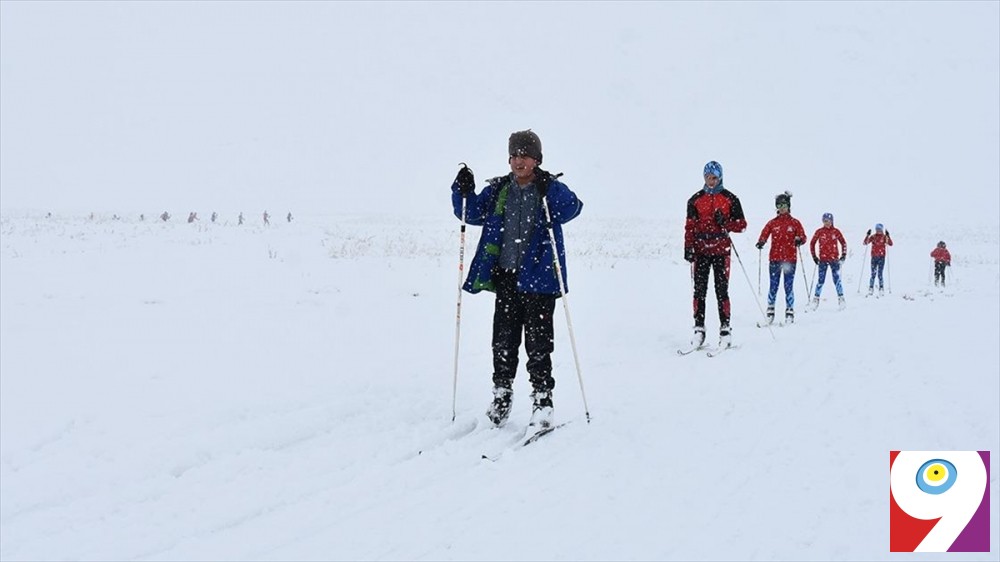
{"points": [[942, 259], [707, 245]]}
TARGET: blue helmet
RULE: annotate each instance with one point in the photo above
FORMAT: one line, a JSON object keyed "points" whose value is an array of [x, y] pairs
{"points": [[879, 227], [713, 168], [828, 217]]}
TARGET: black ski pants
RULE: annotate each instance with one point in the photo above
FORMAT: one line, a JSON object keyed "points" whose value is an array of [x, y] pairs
{"points": [[518, 312], [939, 267], [720, 265]]}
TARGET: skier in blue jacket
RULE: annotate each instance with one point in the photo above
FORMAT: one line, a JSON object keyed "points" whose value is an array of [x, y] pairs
{"points": [[514, 260]]}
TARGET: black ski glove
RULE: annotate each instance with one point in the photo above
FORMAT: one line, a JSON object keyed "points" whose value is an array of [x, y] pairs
{"points": [[799, 241], [720, 219], [869, 233], [689, 254], [760, 245], [887, 234], [542, 181], [843, 258], [815, 260], [466, 181]]}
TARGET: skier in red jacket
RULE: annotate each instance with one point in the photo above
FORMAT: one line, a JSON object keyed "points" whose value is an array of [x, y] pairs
{"points": [[786, 235], [942, 259], [712, 213], [828, 237], [879, 241]]}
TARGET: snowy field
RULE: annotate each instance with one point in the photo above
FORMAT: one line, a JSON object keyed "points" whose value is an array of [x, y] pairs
{"points": [[175, 391], [196, 391]]}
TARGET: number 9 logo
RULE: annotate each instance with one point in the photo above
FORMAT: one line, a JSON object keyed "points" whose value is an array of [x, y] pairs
{"points": [[938, 501]]}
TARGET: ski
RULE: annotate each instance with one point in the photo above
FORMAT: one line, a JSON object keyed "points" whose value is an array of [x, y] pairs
{"points": [[524, 439], [715, 351], [541, 433], [690, 350]]}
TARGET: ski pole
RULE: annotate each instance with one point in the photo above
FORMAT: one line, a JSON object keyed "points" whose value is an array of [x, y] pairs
{"points": [[749, 284], [562, 290], [805, 278], [812, 284], [760, 256], [864, 258], [458, 310]]}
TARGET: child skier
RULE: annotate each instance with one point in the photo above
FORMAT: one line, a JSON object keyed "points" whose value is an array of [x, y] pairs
{"points": [[830, 256], [942, 259], [786, 235], [879, 241], [514, 260]]}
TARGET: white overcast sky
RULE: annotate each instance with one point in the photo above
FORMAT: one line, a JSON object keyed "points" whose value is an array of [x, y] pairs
{"points": [[889, 109]]}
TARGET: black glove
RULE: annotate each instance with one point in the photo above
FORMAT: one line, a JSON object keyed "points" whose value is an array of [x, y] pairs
{"points": [[815, 260], [719, 219], [886, 233], [869, 233], [542, 181], [466, 181], [689, 254], [843, 258], [760, 245], [799, 241]]}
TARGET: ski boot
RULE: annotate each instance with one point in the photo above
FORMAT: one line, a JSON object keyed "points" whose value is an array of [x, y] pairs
{"points": [[871, 291], [541, 409], [770, 313], [789, 316], [499, 410], [841, 302], [725, 336], [815, 303], [698, 339], [881, 293]]}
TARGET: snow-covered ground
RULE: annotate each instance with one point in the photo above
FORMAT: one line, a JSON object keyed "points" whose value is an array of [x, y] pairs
{"points": [[214, 391], [198, 391]]}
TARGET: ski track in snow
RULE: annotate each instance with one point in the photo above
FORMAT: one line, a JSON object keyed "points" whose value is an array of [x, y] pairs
{"points": [[175, 391]]}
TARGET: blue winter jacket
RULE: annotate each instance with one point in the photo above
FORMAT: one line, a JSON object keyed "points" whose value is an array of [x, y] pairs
{"points": [[537, 271]]}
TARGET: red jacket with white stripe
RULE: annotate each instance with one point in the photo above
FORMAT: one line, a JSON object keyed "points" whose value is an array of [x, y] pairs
{"points": [[783, 230], [827, 237], [878, 242]]}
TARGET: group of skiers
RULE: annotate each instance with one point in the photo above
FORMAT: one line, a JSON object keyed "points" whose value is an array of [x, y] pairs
{"points": [[193, 216], [713, 212], [522, 212]]}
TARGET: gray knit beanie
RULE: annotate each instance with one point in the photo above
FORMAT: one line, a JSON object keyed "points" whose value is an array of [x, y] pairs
{"points": [[525, 143]]}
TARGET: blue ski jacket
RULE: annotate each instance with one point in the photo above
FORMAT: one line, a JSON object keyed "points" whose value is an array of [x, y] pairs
{"points": [[537, 271]]}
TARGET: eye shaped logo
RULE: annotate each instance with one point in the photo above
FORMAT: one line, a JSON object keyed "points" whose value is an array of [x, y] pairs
{"points": [[939, 501], [936, 476]]}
